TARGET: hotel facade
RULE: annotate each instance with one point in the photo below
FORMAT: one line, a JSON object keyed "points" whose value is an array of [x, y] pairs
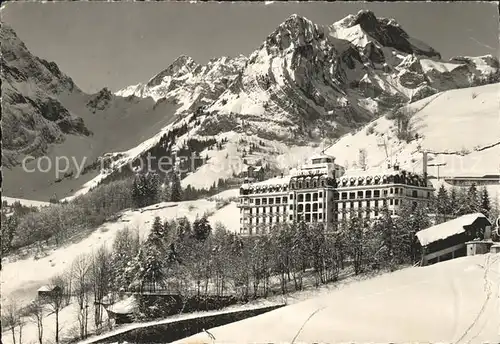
{"points": [[322, 191]]}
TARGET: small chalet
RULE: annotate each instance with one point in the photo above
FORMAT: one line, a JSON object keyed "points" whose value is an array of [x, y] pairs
{"points": [[122, 312], [49, 291], [448, 239], [254, 173]]}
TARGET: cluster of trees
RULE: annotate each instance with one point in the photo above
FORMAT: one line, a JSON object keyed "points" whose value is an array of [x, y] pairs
{"points": [[11, 216], [58, 222], [147, 189], [184, 257], [461, 201]]}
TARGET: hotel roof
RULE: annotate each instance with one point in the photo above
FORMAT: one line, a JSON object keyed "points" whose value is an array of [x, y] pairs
{"points": [[277, 181]]}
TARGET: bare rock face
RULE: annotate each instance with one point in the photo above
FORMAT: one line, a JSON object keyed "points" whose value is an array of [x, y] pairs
{"points": [[32, 116], [390, 34]]}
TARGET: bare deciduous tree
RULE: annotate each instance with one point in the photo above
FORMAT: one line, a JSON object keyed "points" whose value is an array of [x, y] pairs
{"points": [[35, 313], [80, 270], [56, 300], [11, 318], [101, 280]]}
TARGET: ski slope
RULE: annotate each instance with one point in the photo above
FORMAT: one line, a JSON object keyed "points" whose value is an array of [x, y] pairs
{"points": [[449, 302]]}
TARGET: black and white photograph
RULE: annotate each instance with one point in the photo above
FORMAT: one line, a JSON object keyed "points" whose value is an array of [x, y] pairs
{"points": [[250, 172]]}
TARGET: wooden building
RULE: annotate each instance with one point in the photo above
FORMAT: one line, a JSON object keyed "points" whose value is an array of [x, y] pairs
{"points": [[448, 239], [45, 291]]}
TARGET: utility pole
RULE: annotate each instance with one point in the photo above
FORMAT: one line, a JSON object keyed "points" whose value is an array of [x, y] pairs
{"points": [[438, 166], [384, 144]]}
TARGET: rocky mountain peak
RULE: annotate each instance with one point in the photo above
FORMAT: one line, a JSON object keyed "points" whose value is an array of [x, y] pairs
{"points": [[294, 31], [388, 33], [180, 66], [366, 19]]}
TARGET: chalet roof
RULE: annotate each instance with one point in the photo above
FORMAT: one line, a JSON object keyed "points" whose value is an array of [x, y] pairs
{"points": [[47, 288], [322, 155], [125, 306], [447, 229]]}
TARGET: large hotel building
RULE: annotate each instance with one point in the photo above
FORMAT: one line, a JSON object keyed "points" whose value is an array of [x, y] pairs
{"points": [[322, 191]]}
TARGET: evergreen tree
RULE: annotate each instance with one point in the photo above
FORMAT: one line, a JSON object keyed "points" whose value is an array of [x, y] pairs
{"points": [[443, 206], [176, 189], [183, 228], [495, 207], [408, 226], [389, 235], [145, 189], [201, 229], [355, 240], [151, 188], [470, 201], [136, 193], [454, 201], [157, 235], [485, 206], [166, 191]]}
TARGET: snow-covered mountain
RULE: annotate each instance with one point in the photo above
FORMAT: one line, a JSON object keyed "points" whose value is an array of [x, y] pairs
{"points": [[32, 116], [189, 83], [45, 113], [308, 85], [307, 81], [460, 128]]}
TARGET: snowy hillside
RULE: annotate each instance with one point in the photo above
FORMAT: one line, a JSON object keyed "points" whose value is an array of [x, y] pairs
{"points": [[21, 278], [457, 127], [25, 202], [446, 125], [453, 301]]}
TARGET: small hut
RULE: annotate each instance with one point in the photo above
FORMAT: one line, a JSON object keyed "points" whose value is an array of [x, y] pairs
{"points": [[46, 291]]}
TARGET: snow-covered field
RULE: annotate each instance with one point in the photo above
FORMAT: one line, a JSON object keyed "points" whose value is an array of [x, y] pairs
{"points": [[25, 202], [20, 279], [454, 301]]}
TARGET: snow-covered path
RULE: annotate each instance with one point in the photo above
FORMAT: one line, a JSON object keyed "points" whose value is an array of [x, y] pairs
{"points": [[455, 301]]}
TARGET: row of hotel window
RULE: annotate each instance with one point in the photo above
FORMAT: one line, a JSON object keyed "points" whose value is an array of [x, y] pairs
{"points": [[299, 207], [319, 206], [344, 196], [278, 219], [279, 200], [307, 217], [376, 194]]}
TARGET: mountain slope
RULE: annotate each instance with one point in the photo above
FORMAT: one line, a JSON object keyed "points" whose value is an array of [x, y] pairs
{"points": [[45, 113], [32, 116]]}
